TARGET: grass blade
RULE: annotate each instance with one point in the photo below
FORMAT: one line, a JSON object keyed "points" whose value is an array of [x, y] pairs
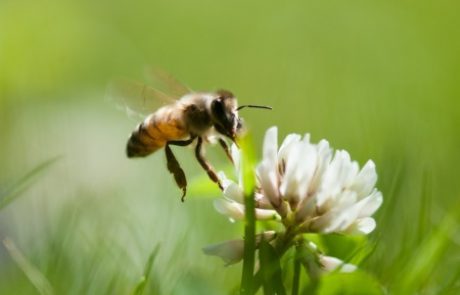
{"points": [[139, 289], [24, 182], [37, 279], [425, 258]]}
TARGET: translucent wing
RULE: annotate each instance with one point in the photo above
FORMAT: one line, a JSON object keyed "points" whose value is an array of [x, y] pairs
{"points": [[135, 98], [165, 82]]}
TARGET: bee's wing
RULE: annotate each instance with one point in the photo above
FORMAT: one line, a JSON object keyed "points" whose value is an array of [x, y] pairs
{"points": [[135, 98], [165, 82]]}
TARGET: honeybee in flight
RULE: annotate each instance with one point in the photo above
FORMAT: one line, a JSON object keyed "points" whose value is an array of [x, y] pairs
{"points": [[186, 117]]}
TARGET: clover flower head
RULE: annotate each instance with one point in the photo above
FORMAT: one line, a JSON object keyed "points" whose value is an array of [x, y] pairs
{"points": [[307, 185], [308, 188]]}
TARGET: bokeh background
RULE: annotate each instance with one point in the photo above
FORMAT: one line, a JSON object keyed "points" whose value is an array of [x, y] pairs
{"points": [[379, 79]]}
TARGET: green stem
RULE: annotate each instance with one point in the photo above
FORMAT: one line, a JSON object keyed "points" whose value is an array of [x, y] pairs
{"points": [[296, 278], [307, 256], [282, 244], [249, 246]]}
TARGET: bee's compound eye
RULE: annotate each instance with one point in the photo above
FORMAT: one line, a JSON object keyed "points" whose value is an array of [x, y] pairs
{"points": [[217, 107]]}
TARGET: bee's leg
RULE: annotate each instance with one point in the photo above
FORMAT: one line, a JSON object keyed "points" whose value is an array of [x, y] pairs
{"points": [[182, 142], [174, 167], [224, 145], [176, 170], [206, 166]]}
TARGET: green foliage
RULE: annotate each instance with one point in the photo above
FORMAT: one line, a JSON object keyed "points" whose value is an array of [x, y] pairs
{"points": [[356, 283]]}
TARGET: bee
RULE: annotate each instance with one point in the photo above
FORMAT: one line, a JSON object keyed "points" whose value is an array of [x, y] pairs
{"points": [[187, 117]]}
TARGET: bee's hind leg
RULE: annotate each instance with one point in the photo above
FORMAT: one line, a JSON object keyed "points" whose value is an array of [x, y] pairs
{"points": [[224, 145], [176, 170], [174, 167], [204, 163]]}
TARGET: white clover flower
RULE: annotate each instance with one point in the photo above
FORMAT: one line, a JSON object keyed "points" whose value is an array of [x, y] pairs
{"points": [[307, 186]]}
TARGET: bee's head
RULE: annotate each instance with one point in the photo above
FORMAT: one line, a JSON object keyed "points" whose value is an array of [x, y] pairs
{"points": [[224, 114]]}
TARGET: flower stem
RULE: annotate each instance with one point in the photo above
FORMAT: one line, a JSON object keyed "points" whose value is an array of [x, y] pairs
{"points": [[296, 278], [307, 256], [281, 244], [247, 281]]}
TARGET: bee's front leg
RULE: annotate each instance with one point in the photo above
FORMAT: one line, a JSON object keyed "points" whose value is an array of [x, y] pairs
{"points": [[224, 145], [175, 168], [204, 163]]}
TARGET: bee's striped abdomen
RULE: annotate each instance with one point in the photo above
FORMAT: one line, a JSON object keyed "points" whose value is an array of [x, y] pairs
{"points": [[141, 143], [154, 132]]}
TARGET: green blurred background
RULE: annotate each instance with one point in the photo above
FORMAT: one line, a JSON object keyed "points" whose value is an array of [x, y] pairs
{"points": [[379, 79]]}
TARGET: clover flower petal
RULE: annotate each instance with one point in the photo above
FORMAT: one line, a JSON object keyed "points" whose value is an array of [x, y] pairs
{"points": [[232, 251], [329, 264], [235, 210]]}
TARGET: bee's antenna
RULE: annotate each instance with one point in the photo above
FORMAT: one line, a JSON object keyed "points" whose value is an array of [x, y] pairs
{"points": [[253, 106]]}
